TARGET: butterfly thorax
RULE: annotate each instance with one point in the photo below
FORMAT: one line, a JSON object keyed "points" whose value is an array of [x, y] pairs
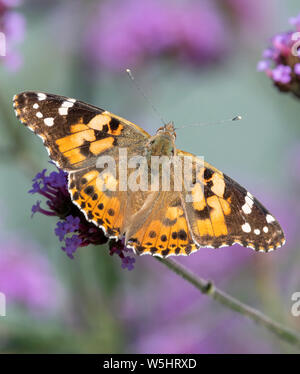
{"points": [[163, 142]]}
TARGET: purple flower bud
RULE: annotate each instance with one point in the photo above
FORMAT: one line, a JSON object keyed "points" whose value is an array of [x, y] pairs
{"points": [[282, 74], [297, 69], [71, 245], [295, 21], [281, 62], [268, 53], [127, 263], [263, 65]]}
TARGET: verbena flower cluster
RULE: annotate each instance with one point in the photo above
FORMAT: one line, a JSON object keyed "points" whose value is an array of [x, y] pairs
{"points": [[12, 29], [72, 229], [281, 61], [128, 33]]}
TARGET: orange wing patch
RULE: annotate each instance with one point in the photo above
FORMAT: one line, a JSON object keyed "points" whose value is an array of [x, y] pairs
{"points": [[98, 206], [105, 122], [75, 140], [164, 236], [102, 145]]}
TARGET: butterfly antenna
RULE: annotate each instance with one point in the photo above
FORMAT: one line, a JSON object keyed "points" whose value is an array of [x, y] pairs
{"points": [[236, 118], [128, 71]]}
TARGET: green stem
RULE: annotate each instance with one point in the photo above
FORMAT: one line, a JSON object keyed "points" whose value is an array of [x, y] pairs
{"points": [[230, 302]]}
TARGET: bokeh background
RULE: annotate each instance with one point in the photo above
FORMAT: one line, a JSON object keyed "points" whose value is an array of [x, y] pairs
{"points": [[197, 61]]}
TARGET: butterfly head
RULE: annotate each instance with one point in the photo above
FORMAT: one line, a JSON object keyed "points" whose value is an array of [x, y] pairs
{"points": [[167, 129]]}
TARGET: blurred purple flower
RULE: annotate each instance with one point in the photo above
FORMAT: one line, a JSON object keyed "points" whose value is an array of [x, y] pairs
{"points": [[250, 14], [54, 187], [27, 278], [126, 34], [12, 27], [187, 337], [281, 61], [295, 21]]}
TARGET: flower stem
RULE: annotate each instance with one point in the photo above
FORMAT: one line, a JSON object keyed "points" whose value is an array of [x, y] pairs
{"points": [[207, 287]]}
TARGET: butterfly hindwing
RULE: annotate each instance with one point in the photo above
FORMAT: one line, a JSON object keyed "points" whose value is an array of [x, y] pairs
{"points": [[162, 228], [105, 208]]}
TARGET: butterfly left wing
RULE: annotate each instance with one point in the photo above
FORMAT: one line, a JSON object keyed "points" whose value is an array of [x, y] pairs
{"points": [[74, 133]]}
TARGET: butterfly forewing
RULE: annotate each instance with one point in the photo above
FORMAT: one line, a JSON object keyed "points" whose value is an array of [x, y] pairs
{"points": [[74, 133]]}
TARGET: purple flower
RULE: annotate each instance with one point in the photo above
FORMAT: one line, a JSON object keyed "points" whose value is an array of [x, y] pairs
{"points": [[72, 243], [281, 61], [71, 224], [28, 279], [263, 65], [297, 69], [118, 247], [127, 263], [282, 74], [126, 34], [251, 15], [295, 21], [12, 29], [54, 188]]}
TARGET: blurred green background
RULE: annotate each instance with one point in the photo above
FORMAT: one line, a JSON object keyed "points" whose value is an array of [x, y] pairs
{"points": [[90, 304]]}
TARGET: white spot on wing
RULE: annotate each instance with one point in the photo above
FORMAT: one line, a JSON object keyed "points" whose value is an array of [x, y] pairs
{"points": [[35, 106], [246, 227], [41, 96], [246, 209], [270, 218], [265, 229], [256, 231], [67, 104], [49, 121], [39, 115], [249, 201], [63, 111]]}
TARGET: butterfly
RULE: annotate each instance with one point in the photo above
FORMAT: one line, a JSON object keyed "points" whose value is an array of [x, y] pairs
{"points": [[159, 222]]}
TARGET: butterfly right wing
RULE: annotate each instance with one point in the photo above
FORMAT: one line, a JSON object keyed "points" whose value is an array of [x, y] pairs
{"points": [[224, 213]]}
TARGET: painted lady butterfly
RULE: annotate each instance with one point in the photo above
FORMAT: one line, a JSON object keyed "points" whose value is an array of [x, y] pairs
{"points": [[160, 223]]}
